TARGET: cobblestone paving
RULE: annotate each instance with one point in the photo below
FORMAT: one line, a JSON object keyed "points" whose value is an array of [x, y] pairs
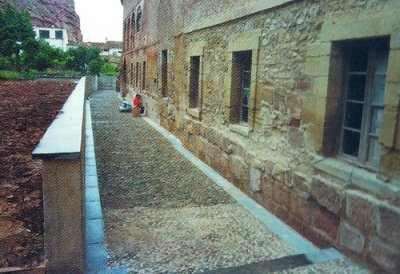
{"points": [[163, 215]]}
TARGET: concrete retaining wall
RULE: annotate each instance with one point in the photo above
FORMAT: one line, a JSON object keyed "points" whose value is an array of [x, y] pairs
{"points": [[106, 82]]}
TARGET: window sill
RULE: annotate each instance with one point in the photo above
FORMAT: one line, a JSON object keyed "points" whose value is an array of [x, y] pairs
{"points": [[358, 177], [240, 129], [194, 112]]}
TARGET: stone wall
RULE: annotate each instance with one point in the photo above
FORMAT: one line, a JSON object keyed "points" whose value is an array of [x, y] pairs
{"points": [[286, 157]]}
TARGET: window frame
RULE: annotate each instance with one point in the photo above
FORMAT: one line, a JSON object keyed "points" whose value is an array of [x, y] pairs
{"points": [[164, 73], [238, 86], [139, 19], [194, 81], [363, 157], [246, 41], [59, 32], [44, 31], [144, 68]]}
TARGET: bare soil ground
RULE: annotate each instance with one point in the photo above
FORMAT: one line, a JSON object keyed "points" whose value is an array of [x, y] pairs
{"points": [[27, 108]]}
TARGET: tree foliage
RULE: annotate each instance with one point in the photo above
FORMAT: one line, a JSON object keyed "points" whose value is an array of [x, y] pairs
{"points": [[80, 57], [18, 46], [42, 56], [15, 32]]}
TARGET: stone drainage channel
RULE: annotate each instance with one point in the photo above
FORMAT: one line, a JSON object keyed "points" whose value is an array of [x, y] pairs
{"points": [[181, 217]]}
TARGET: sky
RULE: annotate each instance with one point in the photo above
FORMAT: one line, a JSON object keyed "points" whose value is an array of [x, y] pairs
{"points": [[100, 19]]}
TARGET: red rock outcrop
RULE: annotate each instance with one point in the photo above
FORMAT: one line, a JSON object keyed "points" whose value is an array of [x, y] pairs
{"points": [[52, 13]]}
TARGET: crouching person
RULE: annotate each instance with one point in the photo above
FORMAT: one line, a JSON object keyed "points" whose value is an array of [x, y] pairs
{"points": [[138, 107]]}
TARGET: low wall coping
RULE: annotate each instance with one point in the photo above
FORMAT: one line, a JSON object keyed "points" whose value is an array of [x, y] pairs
{"points": [[63, 138]]}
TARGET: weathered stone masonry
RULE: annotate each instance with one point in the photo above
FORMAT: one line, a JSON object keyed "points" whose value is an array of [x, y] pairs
{"points": [[288, 154]]}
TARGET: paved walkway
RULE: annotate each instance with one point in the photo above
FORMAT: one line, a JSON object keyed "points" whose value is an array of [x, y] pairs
{"points": [[162, 214]]}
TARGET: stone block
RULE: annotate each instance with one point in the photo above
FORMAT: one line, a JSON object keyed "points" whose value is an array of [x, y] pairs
{"points": [[392, 94], [224, 164], [326, 221], [385, 255], [255, 179], [313, 138], [193, 127], [366, 27], [327, 194], [301, 208], [388, 224], [397, 143], [301, 185], [388, 127], [225, 144], [393, 66], [395, 40], [279, 172], [296, 137], [319, 49], [313, 110], [351, 238], [238, 166], [210, 135], [250, 156], [390, 162], [320, 86], [282, 213], [281, 195], [317, 66], [360, 210], [267, 188], [294, 104]]}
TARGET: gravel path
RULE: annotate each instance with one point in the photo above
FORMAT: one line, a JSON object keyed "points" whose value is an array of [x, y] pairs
{"points": [[162, 214]]}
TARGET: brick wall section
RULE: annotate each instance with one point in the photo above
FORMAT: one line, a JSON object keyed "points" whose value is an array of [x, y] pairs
{"points": [[294, 115]]}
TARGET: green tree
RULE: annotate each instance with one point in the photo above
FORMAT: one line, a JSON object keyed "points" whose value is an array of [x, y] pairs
{"points": [[80, 57], [41, 56], [15, 32], [95, 66]]}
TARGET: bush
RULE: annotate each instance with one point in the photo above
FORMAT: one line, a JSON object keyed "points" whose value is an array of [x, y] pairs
{"points": [[109, 69], [12, 75], [6, 63], [42, 56], [95, 66]]}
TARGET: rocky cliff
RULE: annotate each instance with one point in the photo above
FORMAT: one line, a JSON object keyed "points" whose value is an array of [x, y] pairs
{"points": [[52, 13]]}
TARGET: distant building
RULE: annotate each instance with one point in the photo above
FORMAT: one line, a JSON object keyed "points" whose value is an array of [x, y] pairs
{"points": [[111, 50], [54, 36]]}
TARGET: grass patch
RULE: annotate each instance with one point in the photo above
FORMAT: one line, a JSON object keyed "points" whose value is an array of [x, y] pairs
{"points": [[34, 74]]}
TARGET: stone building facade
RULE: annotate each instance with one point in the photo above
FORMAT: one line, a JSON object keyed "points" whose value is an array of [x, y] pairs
{"points": [[295, 102]]}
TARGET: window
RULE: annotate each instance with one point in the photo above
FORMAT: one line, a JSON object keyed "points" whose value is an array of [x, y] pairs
{"points": [[241, 83], [129, 32], [138, 19], [137, 75], [59, 35], [132, 29], [194, 81], [132, 74], [164, 73], [125, 36], [144, 76], [44, 34], [365, 76]]}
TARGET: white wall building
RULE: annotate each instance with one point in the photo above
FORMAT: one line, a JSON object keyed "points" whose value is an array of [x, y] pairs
{"points": [[55, 37]]}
